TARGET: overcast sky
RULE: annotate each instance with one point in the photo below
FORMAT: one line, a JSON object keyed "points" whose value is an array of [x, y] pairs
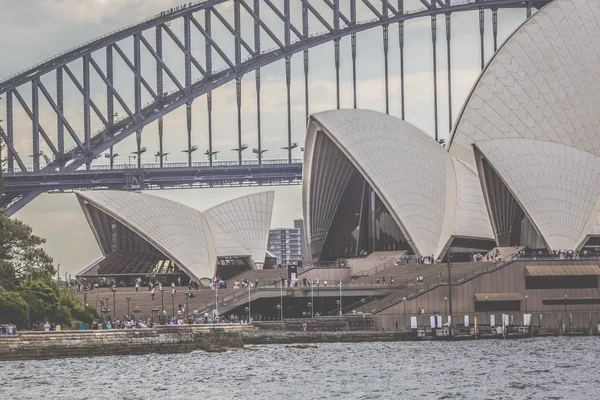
{"points": [[34, 30]]}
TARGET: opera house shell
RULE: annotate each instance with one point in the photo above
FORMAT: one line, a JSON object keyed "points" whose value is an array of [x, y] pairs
{"points": [[522, 166], [531, 126], [141, 235]]}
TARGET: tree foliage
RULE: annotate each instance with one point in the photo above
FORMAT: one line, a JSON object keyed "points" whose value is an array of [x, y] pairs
{"points": [[26, 280]]}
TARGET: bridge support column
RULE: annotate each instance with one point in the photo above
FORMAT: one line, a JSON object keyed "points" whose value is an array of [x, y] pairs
{"points": [[495, 28], [60, 132], [435, 101], [401, 44], [289, 106], [35, 118], [448, 49], [481, 36], [257, 77], [353, 44], [238, 91], [188, 114], [208, 54], [385, 62], [336, 50], [9, 132]]}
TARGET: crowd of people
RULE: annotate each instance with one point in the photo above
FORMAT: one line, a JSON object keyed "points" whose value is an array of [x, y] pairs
{"points": [[8, 329]]}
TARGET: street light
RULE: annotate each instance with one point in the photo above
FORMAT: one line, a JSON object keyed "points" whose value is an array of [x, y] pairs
{"points": [[128, 298], [566, 314], [281, 298], [310, 306], [486, 309], [248, 314], [526, 304], [404, 301], [312, 298], [340, 297], [28, 309], [278, 311], [173, 303], [114, 290], [187, 296], [339, 306], [446, 306], [362, 305], [162, 302]]}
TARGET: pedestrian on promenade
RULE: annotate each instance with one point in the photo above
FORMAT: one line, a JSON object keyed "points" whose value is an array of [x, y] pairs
{"points": [[152, 293]]}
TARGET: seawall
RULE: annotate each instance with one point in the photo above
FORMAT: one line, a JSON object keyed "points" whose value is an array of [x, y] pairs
{"points": [[216, 338], [161, 339]]}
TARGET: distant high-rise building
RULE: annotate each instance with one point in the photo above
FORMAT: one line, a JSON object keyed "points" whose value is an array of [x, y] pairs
{"points": [[286, 244], [299, 224]]}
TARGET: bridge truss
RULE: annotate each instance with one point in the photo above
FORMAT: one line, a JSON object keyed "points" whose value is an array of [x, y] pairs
{"points": [[62, 169]]}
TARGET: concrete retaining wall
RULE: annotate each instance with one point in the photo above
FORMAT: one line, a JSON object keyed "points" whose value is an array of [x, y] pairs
{"points": [[162, 339]]}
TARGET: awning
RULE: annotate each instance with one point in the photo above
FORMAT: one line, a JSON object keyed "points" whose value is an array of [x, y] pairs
{"points": [[498, 297], [562, 270]]}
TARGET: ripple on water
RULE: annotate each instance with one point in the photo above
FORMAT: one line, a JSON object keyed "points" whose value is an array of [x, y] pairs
{"points": [[550, 368]]}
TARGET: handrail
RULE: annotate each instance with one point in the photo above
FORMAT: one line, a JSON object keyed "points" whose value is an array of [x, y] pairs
{"points": [[375, 269]]}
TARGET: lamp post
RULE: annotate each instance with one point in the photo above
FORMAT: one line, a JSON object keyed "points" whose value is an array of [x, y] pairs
{"points": [[154, 318], [362, 301], [312, 298], [526, 304], [446, 306], [28, 309], [248, 315], [281, 301], [278, 311], [310, 306], [217, 298], [340, 297], [487, 312], [187, 296], [114, 290], [128, 298], [249, 304], [404, 301], [449, 255], [173, 304], [566, 314], [162, 301], [339, 305]]}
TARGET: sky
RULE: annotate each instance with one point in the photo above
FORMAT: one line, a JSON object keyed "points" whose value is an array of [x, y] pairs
{"points": [[35, 30]]}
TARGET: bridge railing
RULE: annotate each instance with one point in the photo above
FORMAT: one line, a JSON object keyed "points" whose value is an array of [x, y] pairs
{"points": [[196, 164]]}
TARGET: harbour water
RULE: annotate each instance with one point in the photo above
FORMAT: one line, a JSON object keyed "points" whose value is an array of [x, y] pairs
{"points": [[548, 368]]}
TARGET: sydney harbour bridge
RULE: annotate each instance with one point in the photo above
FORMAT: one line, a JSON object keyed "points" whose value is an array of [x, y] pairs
{"points": [[60, 169]]}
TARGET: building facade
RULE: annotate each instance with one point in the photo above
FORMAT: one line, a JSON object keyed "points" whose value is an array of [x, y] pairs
{"points": [[286, 245]]}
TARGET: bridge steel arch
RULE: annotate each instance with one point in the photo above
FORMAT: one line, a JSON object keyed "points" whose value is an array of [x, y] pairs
{"points": [[199, 17]]}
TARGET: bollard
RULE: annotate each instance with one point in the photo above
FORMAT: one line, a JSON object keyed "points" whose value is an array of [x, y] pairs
{"points": [[560, 325]]}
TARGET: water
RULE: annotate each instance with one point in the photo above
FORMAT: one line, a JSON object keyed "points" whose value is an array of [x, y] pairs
{"points": [[551, 368]]}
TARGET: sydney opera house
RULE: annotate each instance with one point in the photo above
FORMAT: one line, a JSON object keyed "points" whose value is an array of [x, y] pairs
{"points": [[521, 168], [144, 235]]}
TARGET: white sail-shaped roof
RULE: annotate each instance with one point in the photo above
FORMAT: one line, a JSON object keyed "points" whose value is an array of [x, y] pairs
{"points": [[543, 87], [180, 232], [543, 83], [412, 175], [556, 185], [247, 220], [192, 239]]}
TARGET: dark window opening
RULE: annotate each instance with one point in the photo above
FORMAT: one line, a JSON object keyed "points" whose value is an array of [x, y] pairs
{"points": [[561, 282], [568, 301], [509, 305], [512, 226]]}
